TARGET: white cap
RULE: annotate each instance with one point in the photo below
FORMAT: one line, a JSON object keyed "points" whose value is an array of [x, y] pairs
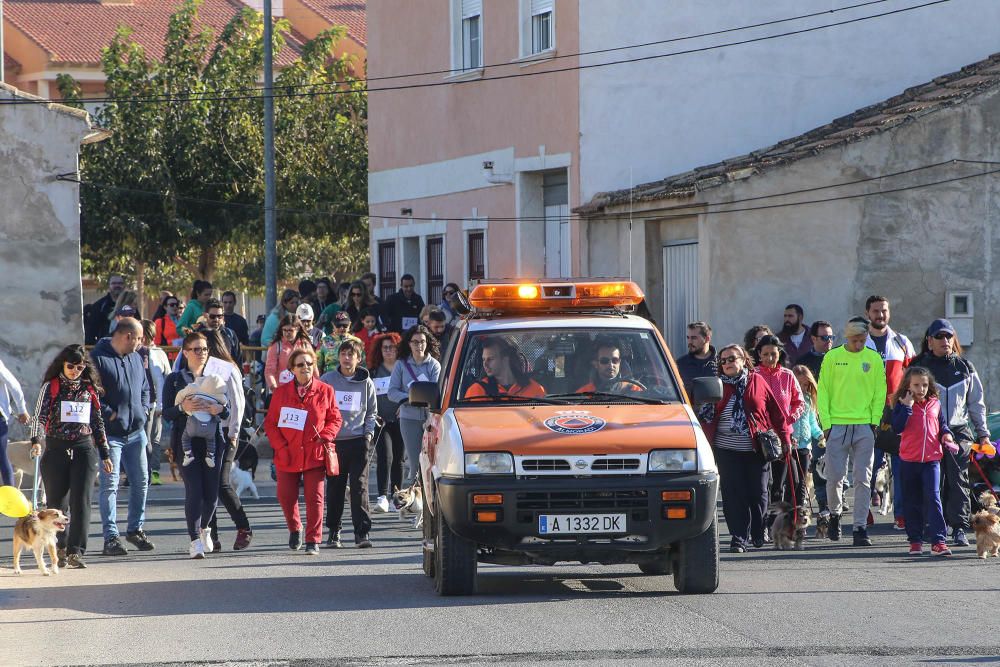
{"points": [[304, 312]]}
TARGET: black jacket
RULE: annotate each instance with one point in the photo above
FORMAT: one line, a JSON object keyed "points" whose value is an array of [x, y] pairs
{"points": [[692, 367], [398, 306], [96, 321], [238, 325], [812, 360], [126, 389]]}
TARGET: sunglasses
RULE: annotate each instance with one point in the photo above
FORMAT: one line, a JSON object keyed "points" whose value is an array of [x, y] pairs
{"points": [[304, 364], [341, 325], [448, 292], [829, 338], [75, 367], [604, 361], [944, 335], [730, 360], [215, 317], [355, 293], [198, 350]]}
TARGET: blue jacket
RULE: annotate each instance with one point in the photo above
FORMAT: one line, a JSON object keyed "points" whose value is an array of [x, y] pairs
{"points": [[126, 389]]}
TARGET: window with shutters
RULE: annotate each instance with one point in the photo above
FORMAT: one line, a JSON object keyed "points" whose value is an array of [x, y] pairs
{"points": [[386, 269], [538, 28], [470, 38], [477, 256], [435, 269]]}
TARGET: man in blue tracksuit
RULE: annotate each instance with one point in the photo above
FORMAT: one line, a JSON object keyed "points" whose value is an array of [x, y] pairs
{"points": [[124, 406]]}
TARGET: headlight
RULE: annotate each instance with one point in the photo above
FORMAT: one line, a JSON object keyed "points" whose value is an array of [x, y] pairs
{"points": [[489, 463], [673, 460]]}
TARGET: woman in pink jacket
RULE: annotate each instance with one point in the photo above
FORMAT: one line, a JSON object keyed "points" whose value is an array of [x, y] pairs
{"points": [[289, 337], [923, 429]]}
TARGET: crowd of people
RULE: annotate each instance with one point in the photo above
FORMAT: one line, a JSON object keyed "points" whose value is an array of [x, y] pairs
{"points": [[846, 410], [336, 372]]}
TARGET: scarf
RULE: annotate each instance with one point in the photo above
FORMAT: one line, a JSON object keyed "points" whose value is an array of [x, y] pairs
{"points": [[72, 385], [739, 383], [303, 389]]}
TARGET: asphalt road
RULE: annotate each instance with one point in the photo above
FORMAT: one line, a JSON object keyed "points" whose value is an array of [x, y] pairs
{"points": [[829, 605]]}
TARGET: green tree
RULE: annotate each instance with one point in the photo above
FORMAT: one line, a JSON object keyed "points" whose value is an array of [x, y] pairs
{"points": [[199, 151]]}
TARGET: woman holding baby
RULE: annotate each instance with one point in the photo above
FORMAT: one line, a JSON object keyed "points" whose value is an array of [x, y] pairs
{"points": [[197, 405]]}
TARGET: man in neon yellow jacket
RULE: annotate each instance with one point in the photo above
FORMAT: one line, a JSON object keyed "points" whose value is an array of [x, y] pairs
{"points": [[852, 393]]}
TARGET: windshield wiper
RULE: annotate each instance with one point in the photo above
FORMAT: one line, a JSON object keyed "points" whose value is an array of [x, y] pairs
{"points": [[608, 394], [514, 397]]}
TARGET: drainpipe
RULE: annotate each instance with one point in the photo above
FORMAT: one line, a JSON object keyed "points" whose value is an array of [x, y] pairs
{"points": [[1, 42]]}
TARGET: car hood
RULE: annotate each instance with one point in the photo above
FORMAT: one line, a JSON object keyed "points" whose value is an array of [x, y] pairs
{"points": [[582, 429]]}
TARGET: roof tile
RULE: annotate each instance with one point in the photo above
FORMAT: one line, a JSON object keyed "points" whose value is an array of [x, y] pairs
{"points": [[345, 13]]}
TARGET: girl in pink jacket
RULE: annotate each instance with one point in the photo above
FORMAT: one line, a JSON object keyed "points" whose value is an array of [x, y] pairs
{"points": [[924, 435]]}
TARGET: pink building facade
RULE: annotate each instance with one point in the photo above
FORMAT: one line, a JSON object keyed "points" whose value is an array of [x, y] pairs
{"points": [[470, 178]]}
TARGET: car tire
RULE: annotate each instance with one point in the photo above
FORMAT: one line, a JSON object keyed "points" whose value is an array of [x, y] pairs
{"points": [[696, 564], [455, 559], [428, 527]]}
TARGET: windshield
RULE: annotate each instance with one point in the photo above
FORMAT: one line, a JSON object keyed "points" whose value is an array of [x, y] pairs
{"points": [[564, 366]]}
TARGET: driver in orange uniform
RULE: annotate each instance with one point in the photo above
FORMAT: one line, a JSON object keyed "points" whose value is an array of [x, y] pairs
{"points": [[502, 377], [606, 376]]}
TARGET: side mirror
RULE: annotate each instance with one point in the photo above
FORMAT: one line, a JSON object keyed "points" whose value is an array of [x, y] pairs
{"points": [[706, 390], [427, 395]]}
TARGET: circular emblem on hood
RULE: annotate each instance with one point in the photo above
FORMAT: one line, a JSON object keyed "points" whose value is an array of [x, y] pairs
{"points": [[580, 464], [574, 423]]}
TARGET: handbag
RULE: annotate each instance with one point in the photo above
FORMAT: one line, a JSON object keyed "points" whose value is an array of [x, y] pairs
{"points": [[332, 462], [885, 438], [769, 444]]}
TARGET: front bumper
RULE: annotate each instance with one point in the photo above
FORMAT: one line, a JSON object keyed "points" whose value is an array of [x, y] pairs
{"points": [[640, 498]]}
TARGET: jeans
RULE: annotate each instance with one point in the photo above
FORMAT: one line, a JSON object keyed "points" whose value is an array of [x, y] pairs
{"points": [[129, 450], [68, 470], [156, 430], [743, 478], [922, 491], [201, 489], [227, 494], [413, 435], [6, 469]]}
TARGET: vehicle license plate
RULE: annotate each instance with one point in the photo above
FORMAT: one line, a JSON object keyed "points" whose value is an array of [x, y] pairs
{"points": [[564, 524]]}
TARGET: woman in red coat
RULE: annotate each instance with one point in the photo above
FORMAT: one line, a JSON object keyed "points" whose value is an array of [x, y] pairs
{"points": [[301, 424], [748, 407]]}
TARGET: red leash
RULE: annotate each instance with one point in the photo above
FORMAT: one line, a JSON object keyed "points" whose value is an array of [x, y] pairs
{"points": [[989, 484]]}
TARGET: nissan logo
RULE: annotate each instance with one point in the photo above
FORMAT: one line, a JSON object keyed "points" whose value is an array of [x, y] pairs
{"points": [[581, 464]]}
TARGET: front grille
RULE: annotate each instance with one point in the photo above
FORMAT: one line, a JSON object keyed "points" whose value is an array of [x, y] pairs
{"points": [[532, 503], [544, 465], [615, 464]]}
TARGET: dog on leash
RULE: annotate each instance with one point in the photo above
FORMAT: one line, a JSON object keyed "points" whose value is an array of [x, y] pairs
{"points": [[987, 534], [173, 465], [988, 502], [37, 532], [242, 481], [789, 527], [410, 503], [883, 487]]}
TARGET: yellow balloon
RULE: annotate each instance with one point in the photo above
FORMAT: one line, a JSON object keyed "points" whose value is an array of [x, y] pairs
{"points": [[13, 503]]}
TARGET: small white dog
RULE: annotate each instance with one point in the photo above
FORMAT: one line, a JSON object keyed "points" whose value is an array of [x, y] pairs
{"points": [[242, 481], [410, 503]]}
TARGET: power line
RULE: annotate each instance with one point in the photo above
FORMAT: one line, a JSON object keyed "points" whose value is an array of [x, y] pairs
{"points": [[214, 96], [694, 207]]}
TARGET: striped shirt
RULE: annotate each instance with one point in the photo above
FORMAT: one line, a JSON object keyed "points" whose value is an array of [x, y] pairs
{"points": [[725, 437]]}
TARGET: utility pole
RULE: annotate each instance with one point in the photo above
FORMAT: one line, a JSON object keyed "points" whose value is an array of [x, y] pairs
{"points": [[270, 224]]}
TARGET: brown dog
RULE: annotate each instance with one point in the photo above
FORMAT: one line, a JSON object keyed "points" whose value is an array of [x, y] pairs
{"points": [[37, 532], [987, 534]]}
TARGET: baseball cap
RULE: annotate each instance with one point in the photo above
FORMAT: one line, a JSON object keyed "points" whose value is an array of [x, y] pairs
{"points": [[939, 325], [341, 316], [304, 312], [126, 311]]}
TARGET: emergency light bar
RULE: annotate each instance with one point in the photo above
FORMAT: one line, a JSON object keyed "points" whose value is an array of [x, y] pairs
{"points": [[511, 296]]}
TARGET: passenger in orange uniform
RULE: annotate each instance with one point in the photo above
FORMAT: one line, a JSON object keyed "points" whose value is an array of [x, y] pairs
{"points": [[606, 376], [503, 373]]}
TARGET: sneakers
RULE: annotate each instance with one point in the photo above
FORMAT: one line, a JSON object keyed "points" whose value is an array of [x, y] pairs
{"points": [[188, 460], [736, 547], [114, 547], [916, 549], [959, 538], [381, 505], [833, 531], [295, 540], [243, 537], [75, 561], [940, 549], [138, 538], [155, 479], [363, 542], [333, 541], [206, 540], [312, 549], [861, 538], [899, 524], [197, 549], [60, 558], [210, 461]]}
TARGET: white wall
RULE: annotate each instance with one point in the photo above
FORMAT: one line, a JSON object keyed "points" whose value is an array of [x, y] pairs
{"points": [[669, 115]]}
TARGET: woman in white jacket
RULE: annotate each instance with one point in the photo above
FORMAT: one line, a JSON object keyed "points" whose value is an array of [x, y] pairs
{"points": [[11, 400]]}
